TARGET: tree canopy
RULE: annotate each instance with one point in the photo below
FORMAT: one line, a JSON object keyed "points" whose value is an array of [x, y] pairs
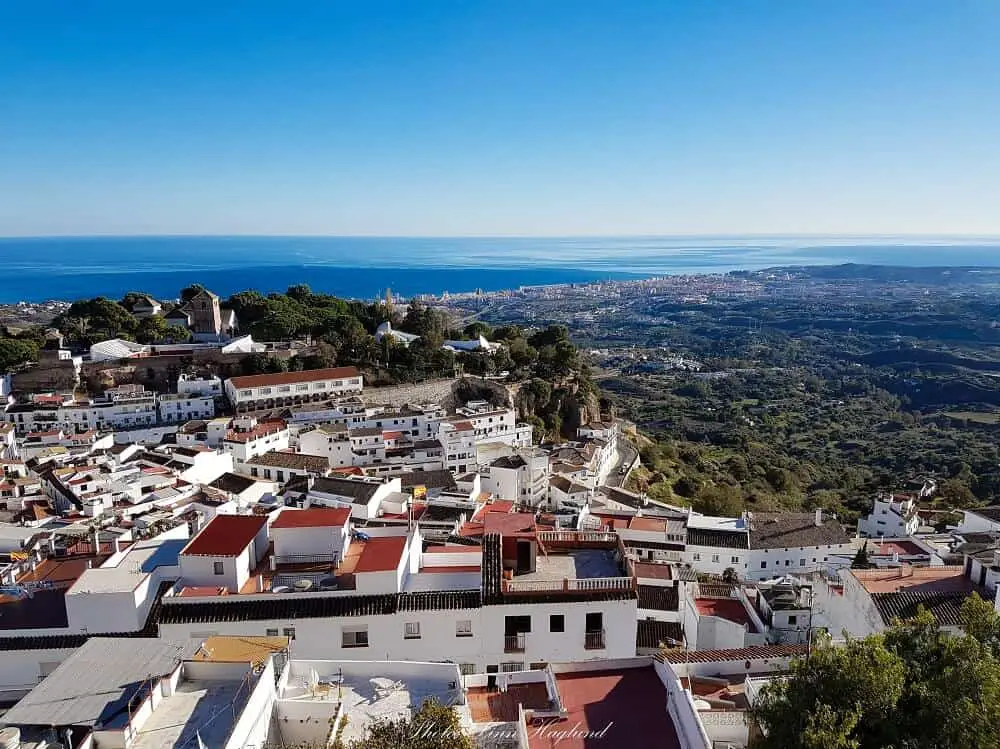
{"points": [[913, 687], [433, 726]]}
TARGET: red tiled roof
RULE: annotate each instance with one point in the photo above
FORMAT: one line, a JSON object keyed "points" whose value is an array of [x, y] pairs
{"points": [[349, 471], [757, 653], [507, 524], [647, 524], [391, 435], [459, 548], [225, 536], [261, 430], [316, 517], [381, 554], [291, 378], [903, 548]]}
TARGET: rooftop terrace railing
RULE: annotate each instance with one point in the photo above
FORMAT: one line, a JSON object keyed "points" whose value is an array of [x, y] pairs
{"points": [[571, 585]]}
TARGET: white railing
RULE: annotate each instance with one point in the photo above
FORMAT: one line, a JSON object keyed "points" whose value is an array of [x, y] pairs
{"points": [[577, 536], [591, 584], [601, 583]]}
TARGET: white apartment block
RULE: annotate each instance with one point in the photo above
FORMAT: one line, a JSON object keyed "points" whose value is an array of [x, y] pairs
{"points": [[265, 391], [522, 477], [177, 408]]}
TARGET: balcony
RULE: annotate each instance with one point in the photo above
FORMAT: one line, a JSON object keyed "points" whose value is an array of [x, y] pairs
{"points": [[594, 640], [514, 643]]}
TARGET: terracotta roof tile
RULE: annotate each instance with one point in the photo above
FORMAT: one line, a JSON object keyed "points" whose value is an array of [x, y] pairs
{"points": [[225, 536]]}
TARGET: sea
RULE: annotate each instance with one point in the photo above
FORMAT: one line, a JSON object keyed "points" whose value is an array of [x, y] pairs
{"points": [[68, 268]]}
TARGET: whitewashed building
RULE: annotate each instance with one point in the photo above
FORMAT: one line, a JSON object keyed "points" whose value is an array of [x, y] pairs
{"points": [[265, 391]]}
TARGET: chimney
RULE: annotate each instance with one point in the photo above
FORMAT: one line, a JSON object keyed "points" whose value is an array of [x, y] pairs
{"points": [[95, 540], [819, 517], [118, 545]]}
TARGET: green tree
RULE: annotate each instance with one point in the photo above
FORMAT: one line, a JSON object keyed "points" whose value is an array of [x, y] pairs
{"points": [[433, 726], [861, 559], [151, 329], [189, 292], [14, 352], [177, 334], [719, 499], [915, 687], [476, 329]]}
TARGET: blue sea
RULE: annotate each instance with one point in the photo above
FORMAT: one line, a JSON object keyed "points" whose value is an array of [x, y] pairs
{"points": [[37, 269]]}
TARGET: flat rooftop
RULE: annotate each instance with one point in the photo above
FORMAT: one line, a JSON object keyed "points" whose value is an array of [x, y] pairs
{"points": [[196, 708], [622, 708], [574, 565], [501, 707], [902, 547], [144, 557], [729, 609], [372, 692], [945, 579]]}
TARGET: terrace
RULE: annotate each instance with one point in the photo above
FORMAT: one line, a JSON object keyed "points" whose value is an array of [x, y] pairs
{"points": [[574, 562]]}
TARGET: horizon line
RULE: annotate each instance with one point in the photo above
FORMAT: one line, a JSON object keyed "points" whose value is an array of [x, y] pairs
{"points": [[699, 235]]}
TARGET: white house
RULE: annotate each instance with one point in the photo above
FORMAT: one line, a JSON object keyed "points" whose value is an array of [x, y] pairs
{"points": [[249, 438], [362, 495], [224, 552], [318, 534], [521, 476], [891, 517]]}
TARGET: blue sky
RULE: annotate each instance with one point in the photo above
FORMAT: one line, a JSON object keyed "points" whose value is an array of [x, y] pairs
{"points": [[530, 118]]}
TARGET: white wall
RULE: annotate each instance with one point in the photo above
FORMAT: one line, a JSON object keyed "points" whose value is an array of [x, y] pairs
{"points": [[200, 571], [680, 706], [308, 541], [320, 638], [21, 670], [251, 729]]}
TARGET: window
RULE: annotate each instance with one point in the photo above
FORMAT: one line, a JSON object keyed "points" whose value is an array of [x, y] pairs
{"points": [[272, 633], [289, 632], [787, 562], [802, 563], [715, 558], [411, 631], [219, 568], [595, 622], [466, 669], [763, 565], [696, 557], [355, 637], [793, 619], [463, 628], [300, 388], [511, 666], [557, 623], [734, 560]]}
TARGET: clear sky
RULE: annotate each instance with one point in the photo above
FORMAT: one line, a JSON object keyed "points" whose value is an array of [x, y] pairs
{"points": [[531, 118]]}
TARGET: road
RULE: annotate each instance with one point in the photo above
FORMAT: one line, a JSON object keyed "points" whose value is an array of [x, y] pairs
{"points": [[626, 455]]}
